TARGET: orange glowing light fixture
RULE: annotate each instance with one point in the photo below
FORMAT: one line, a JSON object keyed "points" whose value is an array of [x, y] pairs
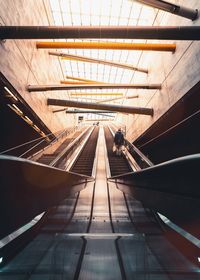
{"points": [[107, 46], [82, 79]]}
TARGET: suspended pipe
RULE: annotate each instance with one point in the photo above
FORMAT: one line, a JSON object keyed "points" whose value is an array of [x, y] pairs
{"points": [[105, 115], [101, 113], [61, 110], [107, 46], [132, 96], [79, 82], [96, 94], [89, 99], [32, 88], [86, 112], [95, 106], [101, 32], [98, 120], [81, 79], [117, 98], [66, 109], [172, 8], [75, 94], [110, 99], [99, 61], [101, 101]]}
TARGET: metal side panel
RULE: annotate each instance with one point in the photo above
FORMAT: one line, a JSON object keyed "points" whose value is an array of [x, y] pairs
{"points": [[178, 176], [170, 188], [28, 188], [180, 210]]}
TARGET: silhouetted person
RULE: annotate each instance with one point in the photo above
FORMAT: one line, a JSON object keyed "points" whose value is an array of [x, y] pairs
{"points": [[119, 141]]}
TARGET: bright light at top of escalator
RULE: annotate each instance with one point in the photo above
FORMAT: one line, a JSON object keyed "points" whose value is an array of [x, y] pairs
{"points": [[1, 259], [198, 259]]}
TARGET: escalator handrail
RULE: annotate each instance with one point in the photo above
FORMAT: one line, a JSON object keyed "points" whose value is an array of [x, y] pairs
{"points": [[68, 148], [139, 153]]}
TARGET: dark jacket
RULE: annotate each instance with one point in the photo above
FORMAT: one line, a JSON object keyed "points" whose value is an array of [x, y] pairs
{"points": [[119, 138]]}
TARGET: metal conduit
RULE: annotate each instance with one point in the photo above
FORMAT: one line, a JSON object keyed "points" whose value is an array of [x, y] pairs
{"points": [[99, 120], [100, 32], [107, 107], [172, 8], [82, 94], [81, 79], [67, 82], [117, 98], [99, 61], [94, 112], [86, 112], [87, 98], [103, 113], [101, 101], [77, 94], [107, 46], [110, 99], [36, 88]]}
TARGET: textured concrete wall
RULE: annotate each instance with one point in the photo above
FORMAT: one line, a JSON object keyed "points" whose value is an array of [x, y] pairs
{"points": [[176, 72], [22, 64]]}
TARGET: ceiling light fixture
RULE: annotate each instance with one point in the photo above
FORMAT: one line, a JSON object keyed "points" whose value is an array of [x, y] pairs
{"points": [[10, 94]]}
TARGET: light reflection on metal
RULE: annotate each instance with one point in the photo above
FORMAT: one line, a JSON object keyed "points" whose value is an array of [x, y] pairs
{"points": [[107, 46], [98, 61]]}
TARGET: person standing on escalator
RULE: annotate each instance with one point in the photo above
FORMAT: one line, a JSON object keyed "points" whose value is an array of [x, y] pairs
{"points": [[118, 142]]}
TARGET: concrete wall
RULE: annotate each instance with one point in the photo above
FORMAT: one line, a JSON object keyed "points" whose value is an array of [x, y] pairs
{"points": [[176, 72], [22, 64]]}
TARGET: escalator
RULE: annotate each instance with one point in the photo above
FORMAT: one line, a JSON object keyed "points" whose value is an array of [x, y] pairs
{"points": [[84, 163], [153, 254], [48, 158], [100, 232], [118, 165]]}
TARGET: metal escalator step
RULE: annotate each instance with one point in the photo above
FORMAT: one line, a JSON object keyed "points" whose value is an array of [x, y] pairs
{"points": [[84, 164], [118, 165]]}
